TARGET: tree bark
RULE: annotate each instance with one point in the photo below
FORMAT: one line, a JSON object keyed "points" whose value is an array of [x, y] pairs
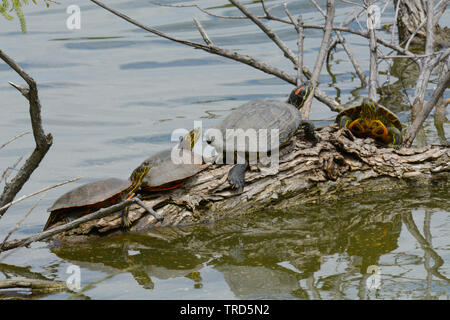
{"points": [[338, 166]]}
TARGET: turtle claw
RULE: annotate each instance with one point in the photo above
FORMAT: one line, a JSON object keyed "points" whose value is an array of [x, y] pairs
{"points": [[236, 176], [309, 127], [126, 223]]}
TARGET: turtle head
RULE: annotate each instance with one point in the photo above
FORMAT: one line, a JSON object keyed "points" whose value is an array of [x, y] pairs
{"points": [[299, 95], [368, 109], [139, 173], [190, 139]]}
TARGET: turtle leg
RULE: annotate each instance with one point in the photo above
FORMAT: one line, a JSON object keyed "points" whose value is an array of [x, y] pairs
{"points": [[397, 138], [309, 127], [344, 122], [126, 223], [236, 176]]}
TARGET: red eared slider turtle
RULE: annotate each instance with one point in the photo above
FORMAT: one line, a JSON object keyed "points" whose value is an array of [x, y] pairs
{"points": [[165, 173], [283, 117], [93, 196], [374, 121]]}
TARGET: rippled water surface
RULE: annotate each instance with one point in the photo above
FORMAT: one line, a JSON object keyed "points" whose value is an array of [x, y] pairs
{"points": [[112, 95]]}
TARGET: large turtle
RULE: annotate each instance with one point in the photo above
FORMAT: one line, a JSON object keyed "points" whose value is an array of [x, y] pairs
{"points": [[259, 115], [170, 168], [374, 121], [95, 195]]}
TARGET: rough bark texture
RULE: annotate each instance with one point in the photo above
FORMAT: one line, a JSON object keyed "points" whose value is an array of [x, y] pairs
{"points": [[411, 14], [338, 166]]}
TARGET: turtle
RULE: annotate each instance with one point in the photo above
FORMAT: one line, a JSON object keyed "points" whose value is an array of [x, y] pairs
{"points": [[167, 173], [370, 119], [259, 114], [95, 195]]}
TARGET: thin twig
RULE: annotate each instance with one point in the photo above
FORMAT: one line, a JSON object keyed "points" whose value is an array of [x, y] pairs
{"points": [[353, 60], [202, 32], [426, 66], [68, 226], [19, 223], [7, 171], [6, 206], [318, 8], [326, 39], [373, 73], [269, 32], [14, 138], [248, 60], [443, 83]]}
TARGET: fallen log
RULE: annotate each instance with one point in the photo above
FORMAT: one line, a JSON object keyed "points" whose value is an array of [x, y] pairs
{"points": [[340, 165]]}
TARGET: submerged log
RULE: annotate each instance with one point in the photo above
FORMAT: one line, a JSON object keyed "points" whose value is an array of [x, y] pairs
{"points": [[340, 165]]}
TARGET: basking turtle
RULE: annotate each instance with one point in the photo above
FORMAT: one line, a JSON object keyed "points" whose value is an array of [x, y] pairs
{"points": [[374, 121], [259, 115], [93, 196], [167, 173]]}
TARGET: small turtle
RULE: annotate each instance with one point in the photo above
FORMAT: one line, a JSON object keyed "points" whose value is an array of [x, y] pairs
{"points": [[167, 173], [93, 196], [374, 121], [284, 117]]}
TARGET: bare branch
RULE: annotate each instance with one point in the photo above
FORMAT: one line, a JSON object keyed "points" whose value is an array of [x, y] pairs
{"points": [[19, 223], [427, 64], [202, 32], [444, 82], [300, 40], [353, 60], [6, 173], [440, 11], [373, 74], [43, 142], [65, 227], [394, 23], [318, 8], [269, 32], [209, 13], [248, 60], [326, 39]]}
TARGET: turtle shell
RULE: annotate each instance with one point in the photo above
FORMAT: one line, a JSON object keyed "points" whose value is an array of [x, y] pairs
{"points": [[383, 114], [165, 174], [87, 198], [256, 115], [91, 193]]}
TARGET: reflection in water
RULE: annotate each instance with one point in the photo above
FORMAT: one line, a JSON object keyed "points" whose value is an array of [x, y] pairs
{"points": [[314, 252]]}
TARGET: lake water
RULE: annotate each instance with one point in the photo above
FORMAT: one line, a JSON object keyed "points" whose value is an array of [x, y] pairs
{"points": [[111, 96]]}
